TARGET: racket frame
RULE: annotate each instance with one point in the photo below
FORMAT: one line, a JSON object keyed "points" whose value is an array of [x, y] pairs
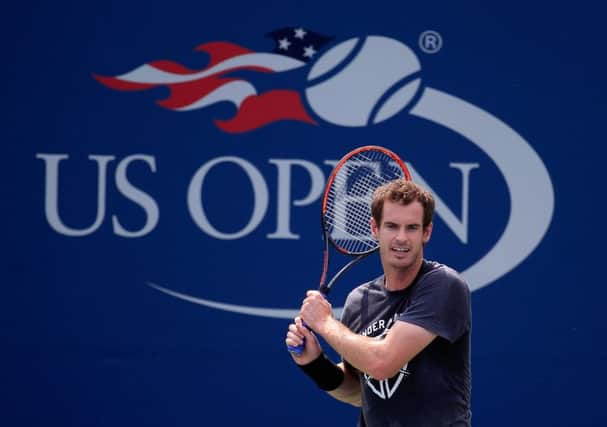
{"points": [[324, 287]]}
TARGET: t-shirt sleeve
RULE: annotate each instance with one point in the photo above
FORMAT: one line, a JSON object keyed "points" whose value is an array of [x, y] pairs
{"points": [[346, 314], [440, 303]]}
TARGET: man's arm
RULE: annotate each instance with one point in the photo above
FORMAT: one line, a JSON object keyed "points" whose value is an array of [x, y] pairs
{"points": [[379, 358], [349, 390]]}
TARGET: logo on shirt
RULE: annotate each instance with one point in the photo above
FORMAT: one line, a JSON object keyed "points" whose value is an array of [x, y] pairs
{"points": [[384, 389]]}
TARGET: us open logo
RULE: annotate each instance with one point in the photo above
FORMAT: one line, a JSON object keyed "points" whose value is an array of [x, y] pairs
{"points": [[354, 83]]}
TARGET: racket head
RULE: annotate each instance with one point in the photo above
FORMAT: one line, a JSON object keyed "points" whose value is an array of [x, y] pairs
{"points": [[346, 205]]}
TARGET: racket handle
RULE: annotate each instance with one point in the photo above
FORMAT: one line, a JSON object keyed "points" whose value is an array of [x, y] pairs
{"points": [[299, 349]]}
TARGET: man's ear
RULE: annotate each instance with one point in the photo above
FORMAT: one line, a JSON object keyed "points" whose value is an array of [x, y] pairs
{"points": [[427, 233], [374, 228]]}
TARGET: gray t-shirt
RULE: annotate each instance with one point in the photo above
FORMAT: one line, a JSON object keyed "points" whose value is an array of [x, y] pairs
{"points": [[433, 389]]}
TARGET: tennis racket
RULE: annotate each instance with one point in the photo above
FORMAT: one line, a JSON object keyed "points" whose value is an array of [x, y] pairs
{"points": [[346, 208]]}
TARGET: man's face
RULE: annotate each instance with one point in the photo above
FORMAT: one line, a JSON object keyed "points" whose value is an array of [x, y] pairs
{"points": [[401, 235]]}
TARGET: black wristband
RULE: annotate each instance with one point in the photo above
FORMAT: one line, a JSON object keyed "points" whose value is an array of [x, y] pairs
{"points": [[326, 374]]}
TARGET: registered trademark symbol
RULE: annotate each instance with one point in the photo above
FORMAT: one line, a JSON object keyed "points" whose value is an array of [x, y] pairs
{"points": [[430, 41]]}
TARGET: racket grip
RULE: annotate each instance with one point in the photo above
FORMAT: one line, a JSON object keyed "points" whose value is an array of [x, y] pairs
{"points": [[299, 349]]}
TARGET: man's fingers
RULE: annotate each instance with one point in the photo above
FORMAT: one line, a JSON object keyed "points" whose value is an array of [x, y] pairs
{"points": [[294, 339], [296, 330]]}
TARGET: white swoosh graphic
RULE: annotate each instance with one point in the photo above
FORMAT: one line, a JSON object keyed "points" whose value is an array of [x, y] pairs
{"points": [[149, 74], [235, 92], [529, 184], [278, 313]]}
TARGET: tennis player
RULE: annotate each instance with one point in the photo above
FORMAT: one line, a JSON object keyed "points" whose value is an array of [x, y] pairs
{"points": [[404, 337]]}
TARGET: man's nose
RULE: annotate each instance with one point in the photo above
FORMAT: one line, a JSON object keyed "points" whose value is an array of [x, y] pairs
{"points": [[402, 234]]}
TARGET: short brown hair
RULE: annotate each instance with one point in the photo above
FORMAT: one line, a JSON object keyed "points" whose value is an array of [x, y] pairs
{"points": [[403, 192]]}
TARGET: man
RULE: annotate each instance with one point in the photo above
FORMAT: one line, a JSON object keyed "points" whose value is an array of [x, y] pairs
{"points": [[404, 337]]}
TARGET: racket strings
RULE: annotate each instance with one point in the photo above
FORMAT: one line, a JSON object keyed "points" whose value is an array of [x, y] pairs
{"points": [[348, 206]]}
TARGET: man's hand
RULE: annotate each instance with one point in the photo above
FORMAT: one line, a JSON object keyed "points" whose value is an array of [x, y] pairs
{"points": [[295, 337], [316, 311]]}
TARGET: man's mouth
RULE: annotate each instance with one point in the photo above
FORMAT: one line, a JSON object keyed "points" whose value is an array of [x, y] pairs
{"points": [[403, 250]]}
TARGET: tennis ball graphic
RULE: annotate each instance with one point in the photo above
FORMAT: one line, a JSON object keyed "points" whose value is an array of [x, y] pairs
{"points": [[368, 86]]}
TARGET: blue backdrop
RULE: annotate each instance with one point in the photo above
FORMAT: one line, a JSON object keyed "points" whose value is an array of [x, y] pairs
{"points": [[162, 170]]}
